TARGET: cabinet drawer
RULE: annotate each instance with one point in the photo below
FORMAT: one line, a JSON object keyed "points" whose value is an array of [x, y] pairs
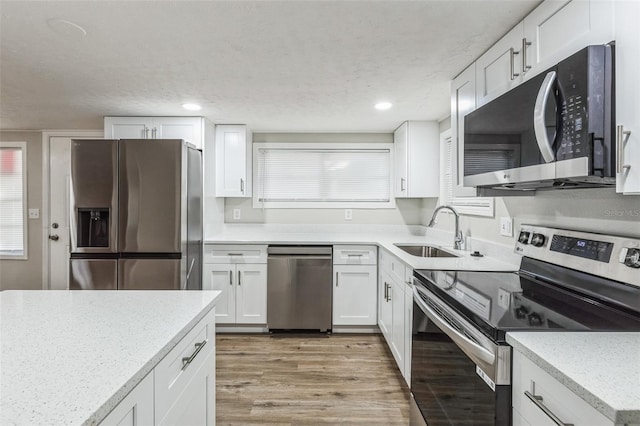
{"points": [[561, 401], [393, 266], [354, 255], [172, 374], [237, 253]]}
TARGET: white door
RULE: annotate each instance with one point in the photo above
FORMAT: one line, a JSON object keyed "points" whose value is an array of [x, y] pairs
{"points": [[251, 294], [56, 258], [354, 295], [187, 128], [398, 317], [231, 167], [384, 307], [128, 127], [463, 101], [221, 277], [400, 146]]}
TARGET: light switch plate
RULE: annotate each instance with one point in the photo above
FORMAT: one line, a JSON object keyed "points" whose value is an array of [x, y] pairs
{"points": [[506, 226], [236, 214], [348, 214], [34, 213]]}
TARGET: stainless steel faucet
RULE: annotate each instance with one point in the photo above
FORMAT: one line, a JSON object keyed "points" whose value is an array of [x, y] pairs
{"points": [[457, 239]]}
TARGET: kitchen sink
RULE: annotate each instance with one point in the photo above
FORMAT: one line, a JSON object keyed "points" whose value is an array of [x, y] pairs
{"points": [[426, 251]]}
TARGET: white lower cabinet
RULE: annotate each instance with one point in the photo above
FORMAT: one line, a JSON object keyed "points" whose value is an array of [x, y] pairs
{"points": [[355, 279], [534, 390], [395, 310], [354, 294], [181, 388], [244, 292]]}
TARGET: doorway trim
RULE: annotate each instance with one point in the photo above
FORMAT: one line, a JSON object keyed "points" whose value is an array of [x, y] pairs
{"points": [[46, 136]]}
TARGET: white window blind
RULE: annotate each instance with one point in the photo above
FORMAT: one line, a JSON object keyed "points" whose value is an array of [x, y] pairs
{"points": [[323, 176], [477, 206], [13, 229]]}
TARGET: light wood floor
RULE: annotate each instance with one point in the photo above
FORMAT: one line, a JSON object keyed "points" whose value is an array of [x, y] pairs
{"points": [[308, 380]]}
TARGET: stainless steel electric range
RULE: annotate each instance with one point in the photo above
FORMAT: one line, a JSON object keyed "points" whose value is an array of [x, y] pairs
{"points": [[568, 280]]}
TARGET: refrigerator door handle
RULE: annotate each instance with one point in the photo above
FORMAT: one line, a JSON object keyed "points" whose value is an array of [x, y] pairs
{"points": [[190, 268]]}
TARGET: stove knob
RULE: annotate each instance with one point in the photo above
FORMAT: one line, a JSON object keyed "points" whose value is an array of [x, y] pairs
{"points": [[523, 238], [538, 240], [521, 312], [534, 319], [632, 259]]}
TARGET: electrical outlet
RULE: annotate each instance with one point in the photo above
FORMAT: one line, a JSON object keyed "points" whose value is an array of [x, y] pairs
{"points": [[236, 214], [34, 213], [348, 214], [506, 226]]}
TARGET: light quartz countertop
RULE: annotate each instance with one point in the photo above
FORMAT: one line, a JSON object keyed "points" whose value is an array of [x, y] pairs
{"points": [[601, 368], [69, 357], [496, 257]]}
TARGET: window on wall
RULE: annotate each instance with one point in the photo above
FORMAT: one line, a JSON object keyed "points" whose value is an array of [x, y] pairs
{"points": [[476, 206], [305, 175], [13, 194]]}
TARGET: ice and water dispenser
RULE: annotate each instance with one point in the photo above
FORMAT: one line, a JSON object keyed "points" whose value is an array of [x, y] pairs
{"points": [[93, 227]]}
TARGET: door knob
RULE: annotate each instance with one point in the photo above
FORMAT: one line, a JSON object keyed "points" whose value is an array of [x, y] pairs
{"points": [[54, 237]]}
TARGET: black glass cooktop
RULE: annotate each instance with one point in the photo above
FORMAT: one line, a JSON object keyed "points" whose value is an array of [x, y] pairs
{"points": [[540, 296]]}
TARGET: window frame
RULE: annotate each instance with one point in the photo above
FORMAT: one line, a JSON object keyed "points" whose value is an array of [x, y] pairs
{"points": [[468, 206], [22, 145], [257, 146]]}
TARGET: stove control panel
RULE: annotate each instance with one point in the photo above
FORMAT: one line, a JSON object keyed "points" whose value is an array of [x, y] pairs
{"points": [[608, 256]]}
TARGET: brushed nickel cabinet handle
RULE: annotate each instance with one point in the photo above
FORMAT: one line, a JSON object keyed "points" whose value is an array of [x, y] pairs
{"points": [[525, 67], [242, 185], [337, 274], [234, 254], [239, 278], [146, 133], [402, 180], [230, 277], [622, 137], [188, 359], [537, 400], [512, 60]]}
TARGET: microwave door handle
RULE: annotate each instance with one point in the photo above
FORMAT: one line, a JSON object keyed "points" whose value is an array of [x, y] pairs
{"points": [[539, 126], [467, 345]]}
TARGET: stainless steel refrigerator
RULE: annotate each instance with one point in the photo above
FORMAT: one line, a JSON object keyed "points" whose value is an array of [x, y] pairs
{"points": [[135, 215]]}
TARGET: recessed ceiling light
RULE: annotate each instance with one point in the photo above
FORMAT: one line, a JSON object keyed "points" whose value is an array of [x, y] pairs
{"points": [[192, 107], [381, 106]]}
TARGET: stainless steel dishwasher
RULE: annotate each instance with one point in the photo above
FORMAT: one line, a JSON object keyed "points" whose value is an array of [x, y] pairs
{"points": [[299, 288]]}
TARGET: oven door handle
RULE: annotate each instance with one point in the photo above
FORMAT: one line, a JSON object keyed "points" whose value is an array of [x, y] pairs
{"points": [[470, 347]]}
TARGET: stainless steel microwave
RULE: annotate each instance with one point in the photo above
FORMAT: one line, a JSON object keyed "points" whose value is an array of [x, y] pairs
{"points": [[554, 131]]}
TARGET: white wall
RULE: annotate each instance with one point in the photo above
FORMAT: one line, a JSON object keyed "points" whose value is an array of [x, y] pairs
{"points": [[407, 211]]}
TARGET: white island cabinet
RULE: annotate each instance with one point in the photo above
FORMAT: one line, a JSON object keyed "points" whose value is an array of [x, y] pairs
{"points": [[105, 357]]}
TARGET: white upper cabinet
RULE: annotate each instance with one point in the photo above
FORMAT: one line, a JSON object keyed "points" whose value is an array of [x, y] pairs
{"points": [[417, 159], [558, 28], [498, 70], [191, 129], [463, 101], [627, 17], [233, 160], [550, 33]]}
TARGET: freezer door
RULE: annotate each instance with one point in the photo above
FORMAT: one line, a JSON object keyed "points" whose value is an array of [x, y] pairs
{"points": [[94, 196], [93, 274], [152, 187], [149, 274], [194, 219]]}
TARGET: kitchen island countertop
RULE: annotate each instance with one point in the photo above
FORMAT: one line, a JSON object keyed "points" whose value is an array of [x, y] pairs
{"points": [[69, 357], [601, 368]]}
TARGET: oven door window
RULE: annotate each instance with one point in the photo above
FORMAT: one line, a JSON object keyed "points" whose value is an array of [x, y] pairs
{"points": [[444, 382]]}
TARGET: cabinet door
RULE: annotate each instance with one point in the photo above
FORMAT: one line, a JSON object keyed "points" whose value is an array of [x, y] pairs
{"points": [[557, 29], [251, 294], [136, 409], [127, 127], [222, 277], [400, 154], [384, 307], [187, 128], [396, 294], [196, 404], [497, 70], [354, 294], [233, 164], [408, 324], [463, 101], [628, 95]]}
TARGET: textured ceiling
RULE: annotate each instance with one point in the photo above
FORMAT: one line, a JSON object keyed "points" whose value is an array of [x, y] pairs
{"points": [[274, 65]]}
